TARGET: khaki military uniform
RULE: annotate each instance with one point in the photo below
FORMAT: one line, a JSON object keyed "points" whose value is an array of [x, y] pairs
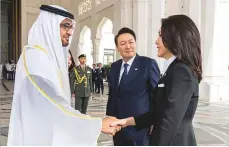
{"points": [[81, 86]]}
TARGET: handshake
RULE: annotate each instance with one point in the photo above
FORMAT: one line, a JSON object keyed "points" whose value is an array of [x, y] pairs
{"points": [[111, 125]]}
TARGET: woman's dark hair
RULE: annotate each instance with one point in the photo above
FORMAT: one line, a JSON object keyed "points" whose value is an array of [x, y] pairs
{"points": [[73, 62], [181, 36]]}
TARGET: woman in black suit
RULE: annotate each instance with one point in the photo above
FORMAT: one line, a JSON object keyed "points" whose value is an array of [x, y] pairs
{"points": [[177, 93]]}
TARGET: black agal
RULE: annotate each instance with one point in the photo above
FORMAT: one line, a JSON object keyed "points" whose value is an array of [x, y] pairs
{"points": [[56, 11]]}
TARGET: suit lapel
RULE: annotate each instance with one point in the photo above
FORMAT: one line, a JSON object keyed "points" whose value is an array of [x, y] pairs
{"points": [[169, 68], [134, 69]]}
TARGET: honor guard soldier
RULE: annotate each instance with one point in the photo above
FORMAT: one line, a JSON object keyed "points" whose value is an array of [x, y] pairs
{"points": [[81, 87]]}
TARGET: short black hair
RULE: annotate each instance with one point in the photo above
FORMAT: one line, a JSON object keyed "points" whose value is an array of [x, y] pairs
{"points": [[124, 31]]}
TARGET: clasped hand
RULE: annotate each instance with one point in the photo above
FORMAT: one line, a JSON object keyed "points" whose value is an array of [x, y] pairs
{"points": [[111, 125]]}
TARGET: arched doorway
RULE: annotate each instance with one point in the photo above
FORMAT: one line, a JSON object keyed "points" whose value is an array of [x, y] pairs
{"points": [[85, 45], [107, 45]]}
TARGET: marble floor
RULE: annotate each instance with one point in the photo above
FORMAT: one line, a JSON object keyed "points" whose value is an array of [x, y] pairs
{"points": [[211, 121]]}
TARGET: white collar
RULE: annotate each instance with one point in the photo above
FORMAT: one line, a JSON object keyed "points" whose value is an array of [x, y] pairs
{"points": [[168, 62], [128, 62]]}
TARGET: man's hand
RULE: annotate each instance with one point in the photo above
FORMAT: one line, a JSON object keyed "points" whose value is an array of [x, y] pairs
{"points": [[124, 122], [107, 128]]}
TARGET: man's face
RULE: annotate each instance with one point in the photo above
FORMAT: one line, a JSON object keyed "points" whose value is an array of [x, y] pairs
{"points": [[66, 29], [126, 45], [82, 60], [93, 65], [100, 65]]}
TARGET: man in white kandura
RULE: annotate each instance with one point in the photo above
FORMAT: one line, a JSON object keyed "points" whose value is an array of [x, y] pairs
{"points": [[41, 112]]}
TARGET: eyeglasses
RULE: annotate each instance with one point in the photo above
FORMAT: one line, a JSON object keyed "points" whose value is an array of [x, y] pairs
{"points": [[67, 26]]}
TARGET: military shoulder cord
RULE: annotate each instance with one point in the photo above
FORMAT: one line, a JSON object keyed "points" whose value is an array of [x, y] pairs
{"points": [[78, 78]]}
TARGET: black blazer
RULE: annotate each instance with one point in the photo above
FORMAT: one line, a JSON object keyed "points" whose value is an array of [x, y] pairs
{"points": [[93, 71], [175, 102], [134, 98], [100, 73]]}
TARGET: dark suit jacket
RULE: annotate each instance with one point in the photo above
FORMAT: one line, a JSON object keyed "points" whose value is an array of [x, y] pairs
{"points": [[176, 99], [93, 73], [135, 98], [100, 73]]}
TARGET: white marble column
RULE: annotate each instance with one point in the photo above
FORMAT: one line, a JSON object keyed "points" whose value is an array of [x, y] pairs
{"points": [[175, 7], [123, 14], [97, 51], [75, 47], [195, 12], [123, 17], [127, 13], [215, 36], [156, 10], [77, 52], [85, 48], [140, 25]]}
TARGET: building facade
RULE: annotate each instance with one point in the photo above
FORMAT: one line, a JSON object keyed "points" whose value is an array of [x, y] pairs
{"points": [[99, 20]]}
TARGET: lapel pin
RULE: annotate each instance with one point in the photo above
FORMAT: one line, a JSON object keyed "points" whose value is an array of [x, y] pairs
{"points": [[136, 69]]}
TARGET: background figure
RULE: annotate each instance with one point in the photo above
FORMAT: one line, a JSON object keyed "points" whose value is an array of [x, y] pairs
{"points": [[81, 85], [100, 74], [132, 80], [108, 74], [13, 69], [177, 93], [1, 67], [93, 70], [10, 70], [4, 70], [71, 65]]}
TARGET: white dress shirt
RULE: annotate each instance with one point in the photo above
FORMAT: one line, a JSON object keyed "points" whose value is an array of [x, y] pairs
{"points": [[168, 62], [128, 67]]}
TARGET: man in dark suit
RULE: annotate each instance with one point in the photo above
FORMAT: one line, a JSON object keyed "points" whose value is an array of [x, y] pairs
{"points": [[100, 74], [108, 74], [93, 77], [132, 80]]}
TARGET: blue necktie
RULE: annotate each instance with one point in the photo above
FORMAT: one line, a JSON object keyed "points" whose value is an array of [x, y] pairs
{"points": [[124, 76]]}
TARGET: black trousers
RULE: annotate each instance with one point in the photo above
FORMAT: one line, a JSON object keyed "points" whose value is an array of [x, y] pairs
{"points": [[81, 104], [94, 86], [100, 85]]}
